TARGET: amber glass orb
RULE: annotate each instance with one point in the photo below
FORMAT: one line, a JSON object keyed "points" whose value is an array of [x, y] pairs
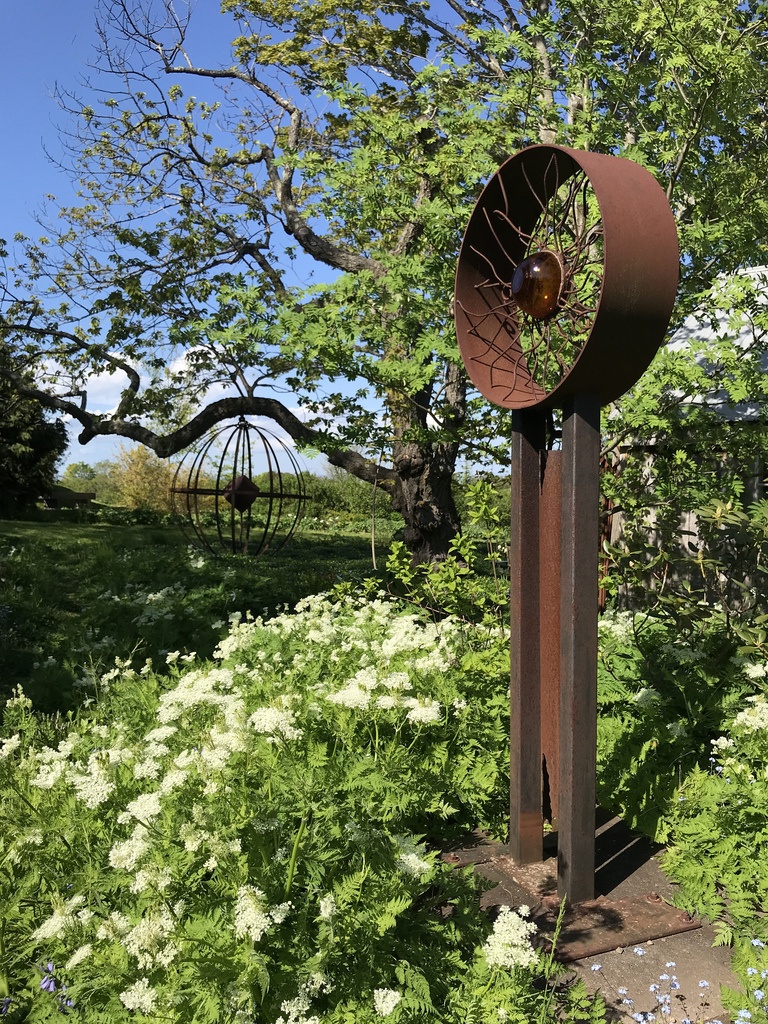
{"points": [[537, 283]]}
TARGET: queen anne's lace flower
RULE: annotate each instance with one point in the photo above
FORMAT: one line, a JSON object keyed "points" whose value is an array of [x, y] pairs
{"points": [[410, 861], [509, 944], [250, 919], [385, 1000], [140, 996], [80, 954], [327, 907], [92, 785], [8, 746], [144, 808], [755, 718], [127, 853], [148, 941], [425, 712], [352, 696], [275, 722]]}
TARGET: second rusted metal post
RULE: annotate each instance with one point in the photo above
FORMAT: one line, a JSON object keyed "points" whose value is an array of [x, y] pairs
{"points": [[525, 831], [578, 648]]}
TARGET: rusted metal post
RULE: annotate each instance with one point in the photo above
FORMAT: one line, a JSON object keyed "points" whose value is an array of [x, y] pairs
{"points": [[550, 519], [525, 831], [578, 648]]}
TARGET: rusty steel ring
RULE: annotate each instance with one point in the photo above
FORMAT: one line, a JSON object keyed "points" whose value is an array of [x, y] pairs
{"points": [[566, 278]]}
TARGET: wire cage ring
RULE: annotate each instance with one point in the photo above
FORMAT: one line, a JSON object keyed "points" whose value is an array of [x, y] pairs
{"points": [[223, 503]]}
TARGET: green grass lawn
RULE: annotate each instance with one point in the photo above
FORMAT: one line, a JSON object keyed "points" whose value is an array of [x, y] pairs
{"points": [[75, 594]]}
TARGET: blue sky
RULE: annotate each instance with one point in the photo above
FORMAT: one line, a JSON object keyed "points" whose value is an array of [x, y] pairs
{"points": [[41, 43]]}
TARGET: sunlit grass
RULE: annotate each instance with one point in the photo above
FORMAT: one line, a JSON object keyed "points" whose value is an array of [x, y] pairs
{"points": [[74, 594]]}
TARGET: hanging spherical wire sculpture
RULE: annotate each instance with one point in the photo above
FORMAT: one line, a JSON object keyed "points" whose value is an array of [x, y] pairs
{"points": [[221, 506]]}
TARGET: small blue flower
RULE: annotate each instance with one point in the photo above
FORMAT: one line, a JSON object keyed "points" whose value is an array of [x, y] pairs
{"points": [[596, 967], [48, 984], [628, 1002], [674, 985], [743, 1015], [751, 971], [759, 994], [670, 963], [638, 951], [653, 988], [703, 984], [622, 991], [764, 974], [758, 943], [663, 977], [5, 1005]]}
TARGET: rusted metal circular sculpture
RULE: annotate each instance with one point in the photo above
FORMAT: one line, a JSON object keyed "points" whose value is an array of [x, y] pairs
{"points": [[216, 497], [566, 278]]}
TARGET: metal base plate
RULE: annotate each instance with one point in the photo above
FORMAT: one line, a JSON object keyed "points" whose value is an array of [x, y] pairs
{"points": [[588, 928]]}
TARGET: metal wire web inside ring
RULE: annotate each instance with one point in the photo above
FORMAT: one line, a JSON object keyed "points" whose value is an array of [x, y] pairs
{"points": [[525, 352]]}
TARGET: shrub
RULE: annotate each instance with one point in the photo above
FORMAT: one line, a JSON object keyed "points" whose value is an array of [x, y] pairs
{"points": [[256, 839]]}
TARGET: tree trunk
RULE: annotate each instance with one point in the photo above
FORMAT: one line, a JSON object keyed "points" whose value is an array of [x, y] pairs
{"points": [[422, 495]]}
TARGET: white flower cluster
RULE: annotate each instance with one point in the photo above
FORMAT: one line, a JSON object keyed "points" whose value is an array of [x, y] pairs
{"points": [[385, 1000], [327, 907], [157, 606], [140, 996], [240, 637], [8, 746], [275, 723], [723, 743], [126, 853], [63, 919], [295, 1010], [251, 921], [646, 697], [753, 719], [114, 927], [410, 860], [148, 941], [619, 626], [194, 689], [509, 944], [92, 785], [81, 953], [424, 711], [54, 764]]}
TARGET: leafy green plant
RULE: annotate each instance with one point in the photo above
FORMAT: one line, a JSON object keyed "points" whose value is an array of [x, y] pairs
{"points": [[471, 582], [256, 839], [662, 697], [719, 828]]}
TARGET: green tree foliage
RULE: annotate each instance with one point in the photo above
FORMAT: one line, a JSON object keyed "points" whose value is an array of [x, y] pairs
{"points": [[142, 480], [354, 139], [96, 479], [31, 446]]}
